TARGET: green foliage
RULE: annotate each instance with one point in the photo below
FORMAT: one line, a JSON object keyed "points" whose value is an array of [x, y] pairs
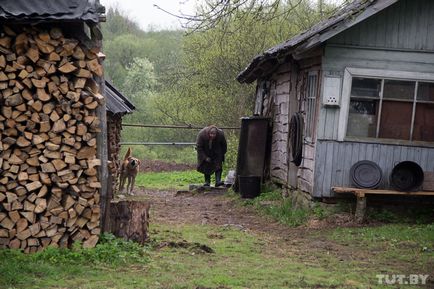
{"points": [[176, 78], [177, 154], [169, 180], [232, 153], [109, 252], [270, 202]]}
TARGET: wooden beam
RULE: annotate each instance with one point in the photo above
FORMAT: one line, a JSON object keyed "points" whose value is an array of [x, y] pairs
{"points": [[360, 192]]}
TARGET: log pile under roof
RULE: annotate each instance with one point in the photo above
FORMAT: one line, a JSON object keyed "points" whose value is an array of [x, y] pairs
{"points": [[49, 186]]}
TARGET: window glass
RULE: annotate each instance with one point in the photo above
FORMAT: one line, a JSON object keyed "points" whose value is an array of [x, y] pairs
{"points": [[386, 108], [362, 120], [425, 91], [365, 87], [423, 129], [395, 120], [310, 103], [398, 89]]}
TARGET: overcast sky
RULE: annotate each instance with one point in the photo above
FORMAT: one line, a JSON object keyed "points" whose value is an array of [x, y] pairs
{"points": [[144, 12]]}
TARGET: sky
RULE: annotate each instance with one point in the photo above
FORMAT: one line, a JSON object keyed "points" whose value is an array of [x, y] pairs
{"points": [[144, 12]]}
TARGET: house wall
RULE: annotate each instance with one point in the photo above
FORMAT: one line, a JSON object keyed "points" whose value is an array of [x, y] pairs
{"points": [[334, 160], [396, 39], [275, 105], [287, 87], [407, 24]]}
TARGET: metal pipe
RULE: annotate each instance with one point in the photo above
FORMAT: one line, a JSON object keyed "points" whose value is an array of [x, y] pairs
{"points": [[159, 143], [172, 126]]}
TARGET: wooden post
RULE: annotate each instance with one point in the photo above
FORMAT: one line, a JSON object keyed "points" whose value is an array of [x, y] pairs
{"points": [[360, 208], [101, 138]]}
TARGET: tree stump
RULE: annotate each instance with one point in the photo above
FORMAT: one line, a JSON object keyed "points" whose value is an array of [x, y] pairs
{"points": [[130, 220]]}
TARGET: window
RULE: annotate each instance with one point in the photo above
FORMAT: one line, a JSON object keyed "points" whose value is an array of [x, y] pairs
{"points": [[391, 109], [311, 93]]}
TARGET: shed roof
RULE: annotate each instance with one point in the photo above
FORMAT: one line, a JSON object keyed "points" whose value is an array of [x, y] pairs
{"points": [[116, 102], [43, 10], [348, 16]]}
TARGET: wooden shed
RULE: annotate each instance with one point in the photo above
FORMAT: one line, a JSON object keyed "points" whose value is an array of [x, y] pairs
{"points": [[53, 152], [362, 82]]}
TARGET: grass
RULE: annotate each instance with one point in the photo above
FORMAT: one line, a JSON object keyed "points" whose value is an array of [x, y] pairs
{"points": [[169, 180], [271, 203], [53, 265], [240, 259], [177, 256], [421, 235], [182, 155]]}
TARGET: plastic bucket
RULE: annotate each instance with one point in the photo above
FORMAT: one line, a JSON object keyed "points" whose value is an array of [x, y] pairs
{"points": [[250, 186], [407, 176]]}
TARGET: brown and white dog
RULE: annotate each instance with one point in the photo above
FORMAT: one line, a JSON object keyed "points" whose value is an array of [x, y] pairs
{"points": [[129, 170]]}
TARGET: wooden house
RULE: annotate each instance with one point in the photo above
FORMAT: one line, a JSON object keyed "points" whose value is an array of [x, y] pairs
{"points": [[362, 83], [53, 149]]}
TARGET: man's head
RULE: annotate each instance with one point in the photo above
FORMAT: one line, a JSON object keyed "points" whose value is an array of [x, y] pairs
{"points": [[212, 132]]}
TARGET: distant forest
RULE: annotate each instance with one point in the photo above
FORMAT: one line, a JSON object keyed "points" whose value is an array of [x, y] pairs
{"points": [[188, 76]]}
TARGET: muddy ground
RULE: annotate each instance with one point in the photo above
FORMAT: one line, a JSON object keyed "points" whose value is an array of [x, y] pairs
{"points": [[310, 243], [216, 208]]}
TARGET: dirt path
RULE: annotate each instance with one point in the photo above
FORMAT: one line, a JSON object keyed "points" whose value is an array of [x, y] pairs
{"points": [[310, 245], [208, 208], [215, 208]]}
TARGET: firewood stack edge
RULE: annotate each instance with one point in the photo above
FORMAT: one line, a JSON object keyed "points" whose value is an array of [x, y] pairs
{"points": [[49, 186]]}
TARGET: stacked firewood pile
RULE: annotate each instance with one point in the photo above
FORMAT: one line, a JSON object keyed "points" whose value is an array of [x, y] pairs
{"points": [[49, 187], [114, 127]]}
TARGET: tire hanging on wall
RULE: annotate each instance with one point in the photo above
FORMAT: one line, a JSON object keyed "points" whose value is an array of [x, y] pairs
{"points": [[296, 138]]}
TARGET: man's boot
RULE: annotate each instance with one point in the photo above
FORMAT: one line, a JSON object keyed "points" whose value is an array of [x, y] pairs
{"points": [[207, 180], [218, 178]]}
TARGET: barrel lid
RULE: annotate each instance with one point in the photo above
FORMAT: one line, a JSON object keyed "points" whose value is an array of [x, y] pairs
{"points": [[366, 174]]}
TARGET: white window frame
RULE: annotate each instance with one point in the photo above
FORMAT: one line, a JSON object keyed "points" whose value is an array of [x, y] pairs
{"points": [[310, 105], [351, 72]]}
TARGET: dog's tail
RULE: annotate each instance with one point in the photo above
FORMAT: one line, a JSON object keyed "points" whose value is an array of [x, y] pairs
{"points": [[128, 154]]}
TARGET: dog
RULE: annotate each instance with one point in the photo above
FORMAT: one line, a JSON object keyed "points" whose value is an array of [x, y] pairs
{"points": [[129, 170]]}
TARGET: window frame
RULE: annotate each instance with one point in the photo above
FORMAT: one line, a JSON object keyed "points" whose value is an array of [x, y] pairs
{"points": [[351, 72], [311, 105]]}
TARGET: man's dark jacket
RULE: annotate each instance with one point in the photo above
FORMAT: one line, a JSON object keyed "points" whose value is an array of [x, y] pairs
{"points": [[215, 150]]}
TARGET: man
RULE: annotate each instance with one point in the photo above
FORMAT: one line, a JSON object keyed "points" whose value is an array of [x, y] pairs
{"points": [[211, 148]]}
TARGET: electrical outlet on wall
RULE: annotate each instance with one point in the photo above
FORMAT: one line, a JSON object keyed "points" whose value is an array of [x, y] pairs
{"points": [[332, 91]]}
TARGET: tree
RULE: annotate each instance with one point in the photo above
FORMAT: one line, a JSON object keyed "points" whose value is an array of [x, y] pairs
{"points": [[212, 14], [203, 89]]}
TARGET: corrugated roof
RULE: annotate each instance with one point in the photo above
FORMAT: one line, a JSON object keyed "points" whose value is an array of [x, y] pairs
{"points": [[116, 102], [43, 10], [343, 19]]}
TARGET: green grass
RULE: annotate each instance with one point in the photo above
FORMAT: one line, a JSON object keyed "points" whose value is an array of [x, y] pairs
{"points": [[169, 180], [44, 269], [240, 259], [271, 203], [181, 155], [419, 238]]}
